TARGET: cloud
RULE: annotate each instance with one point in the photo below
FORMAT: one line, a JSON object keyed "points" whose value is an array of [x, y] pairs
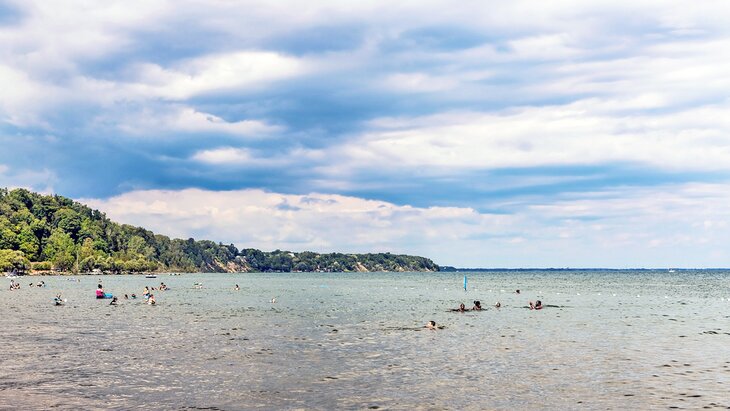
{"points": [[586, 132], [216, 73], [186, 119], [299, 222], [41, 180], [224, 155], [674, 225]]}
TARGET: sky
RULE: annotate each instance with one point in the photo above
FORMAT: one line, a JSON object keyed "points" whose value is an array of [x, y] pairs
{"points": [[477, 133]]}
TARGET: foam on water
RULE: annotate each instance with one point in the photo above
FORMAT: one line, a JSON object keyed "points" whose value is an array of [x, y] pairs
{"points": [[614, 339]]}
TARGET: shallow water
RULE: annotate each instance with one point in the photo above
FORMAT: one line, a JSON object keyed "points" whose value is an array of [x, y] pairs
{"points": [[607, 340]]}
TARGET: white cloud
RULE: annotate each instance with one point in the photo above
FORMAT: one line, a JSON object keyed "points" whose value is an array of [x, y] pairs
{"points": [[187, 119], [675, 225], [40, 179], [580, 133], [545, 47], [224, 156], [216, 73], [299, 222], [22, 97]]}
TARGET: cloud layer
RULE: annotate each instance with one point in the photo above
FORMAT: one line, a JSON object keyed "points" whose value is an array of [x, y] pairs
{"points": [[643, 227], [500, 110]]}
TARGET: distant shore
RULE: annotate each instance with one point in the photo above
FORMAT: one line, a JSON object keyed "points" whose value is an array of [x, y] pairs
{"points": [[71, 273]]}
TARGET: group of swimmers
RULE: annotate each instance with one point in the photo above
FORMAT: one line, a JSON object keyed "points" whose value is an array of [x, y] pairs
{"points": [[462, 307], [16, 285], [537, 305], [431, 325], [146, 293]]}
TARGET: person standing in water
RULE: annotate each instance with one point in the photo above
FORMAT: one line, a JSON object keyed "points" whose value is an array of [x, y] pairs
{"points": [[99, 291]]}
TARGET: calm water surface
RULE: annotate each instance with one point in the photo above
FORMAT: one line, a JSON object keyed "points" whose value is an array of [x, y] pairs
{"points": [[607, 340]]}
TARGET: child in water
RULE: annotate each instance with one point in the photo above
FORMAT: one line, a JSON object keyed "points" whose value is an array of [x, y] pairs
{"points": [[477, 306], [151, 300], [461, 309], [536, 306]]}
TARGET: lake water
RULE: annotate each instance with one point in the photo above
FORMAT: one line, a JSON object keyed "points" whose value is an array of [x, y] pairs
{"points": [[607, 340]]}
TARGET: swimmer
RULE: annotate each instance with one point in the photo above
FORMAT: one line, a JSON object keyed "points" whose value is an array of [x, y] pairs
{"points": [[431, 325], [477, 306], [126, 297], [497, 304], [536, 306], [517, 291], [236, 287], [99, 291], [113, 301], [57, 300], [163, 287], [273, 300], [134, 296], [461, 309], [151, 300]]}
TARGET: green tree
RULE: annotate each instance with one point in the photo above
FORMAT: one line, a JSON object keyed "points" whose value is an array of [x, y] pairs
{"points": [[69, 221], [13, 260], [8, 238], [86, 249], [28, 243], [60, 250]]}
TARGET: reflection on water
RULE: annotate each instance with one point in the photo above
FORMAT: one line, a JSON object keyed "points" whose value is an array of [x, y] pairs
{"points": [[355, 341]]}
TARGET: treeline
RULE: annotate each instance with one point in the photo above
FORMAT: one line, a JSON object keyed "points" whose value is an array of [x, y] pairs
{"points": [[285, 261], [50, 232]]}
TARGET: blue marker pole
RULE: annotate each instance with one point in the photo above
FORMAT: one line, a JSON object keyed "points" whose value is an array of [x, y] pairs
{"points": [[464, 283]]}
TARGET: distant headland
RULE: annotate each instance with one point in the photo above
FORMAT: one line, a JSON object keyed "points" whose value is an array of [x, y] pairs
{"points": [[45, 234]]}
